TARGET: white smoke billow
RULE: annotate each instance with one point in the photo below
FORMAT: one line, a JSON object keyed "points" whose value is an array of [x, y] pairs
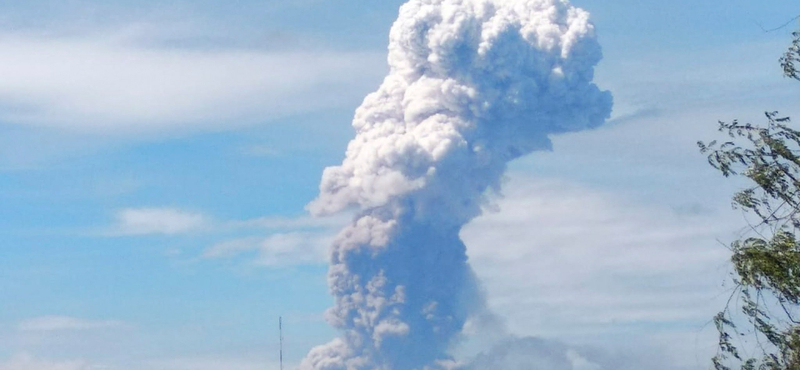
{"points": [[473, 84]]}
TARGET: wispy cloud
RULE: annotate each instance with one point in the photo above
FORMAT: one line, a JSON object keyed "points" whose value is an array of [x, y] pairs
{"points": [[211, 363], [289, 241], [691, 80], [167, 221], [564, 260], [25, 361], [259, 151], [265, 241], [64, 323], [285, 249], [301, 222], [106, 84]]}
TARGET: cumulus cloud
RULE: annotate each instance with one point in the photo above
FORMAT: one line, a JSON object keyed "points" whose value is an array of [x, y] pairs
{"points": [[109, 85], [473, 84], [168, 221], [64, 323]]}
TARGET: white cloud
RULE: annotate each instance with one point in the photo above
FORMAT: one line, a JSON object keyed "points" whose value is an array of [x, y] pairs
{"points": [[27, 362], [533, 353], [565, 261], [172, 221], [281, 241], [110, 85], [302, 222], [302, 240], [144, 221], [64, 323], [283, 249], [212, 363], [692, 79]]}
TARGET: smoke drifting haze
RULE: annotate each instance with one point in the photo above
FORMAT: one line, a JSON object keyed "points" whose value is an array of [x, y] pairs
{"points": [[473, 84]]}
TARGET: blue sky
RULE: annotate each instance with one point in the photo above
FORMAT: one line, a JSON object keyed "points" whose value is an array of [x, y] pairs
{"points": [[156, 158]]}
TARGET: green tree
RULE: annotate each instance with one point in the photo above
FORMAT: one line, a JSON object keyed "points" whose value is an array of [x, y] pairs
{"points": [[791, 57], [767, 263]]}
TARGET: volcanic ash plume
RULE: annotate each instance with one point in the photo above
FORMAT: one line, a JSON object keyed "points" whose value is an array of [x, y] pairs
{"points": [[473, 84]]}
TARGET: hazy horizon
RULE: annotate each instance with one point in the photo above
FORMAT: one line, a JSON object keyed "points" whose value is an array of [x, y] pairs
{"points": [[160, 169]]}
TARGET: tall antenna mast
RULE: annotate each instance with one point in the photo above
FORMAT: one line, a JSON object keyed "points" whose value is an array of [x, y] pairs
{"points": [[280, 332]]}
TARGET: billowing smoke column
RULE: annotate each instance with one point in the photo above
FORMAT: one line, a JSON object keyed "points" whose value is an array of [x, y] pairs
{"points": [[473, 84]]}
